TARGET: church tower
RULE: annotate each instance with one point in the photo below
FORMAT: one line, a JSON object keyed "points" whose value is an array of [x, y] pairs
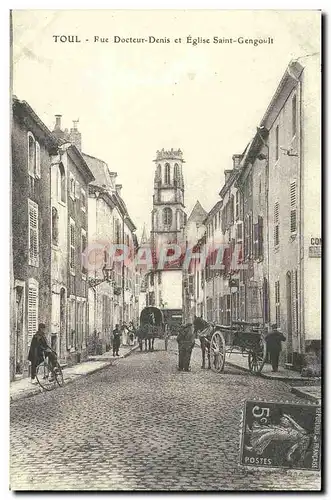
{"points": [[168, 223], [168, 216]]}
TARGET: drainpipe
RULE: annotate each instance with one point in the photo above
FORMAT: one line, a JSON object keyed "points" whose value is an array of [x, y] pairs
{"points": [[266, 188]]}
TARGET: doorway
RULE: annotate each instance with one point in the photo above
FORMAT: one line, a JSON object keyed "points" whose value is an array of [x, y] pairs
{"points": [[289, 309], [19, 330], [62, 322]]}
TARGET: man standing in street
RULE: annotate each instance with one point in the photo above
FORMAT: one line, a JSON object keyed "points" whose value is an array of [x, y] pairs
{"points": [[116, 340], [186, 341], [274, 341]]}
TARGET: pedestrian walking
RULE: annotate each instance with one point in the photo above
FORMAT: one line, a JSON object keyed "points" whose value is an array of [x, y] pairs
{"points": [[274, 341], [124, 332], [132, 333], [116, 340], [186, 341]]}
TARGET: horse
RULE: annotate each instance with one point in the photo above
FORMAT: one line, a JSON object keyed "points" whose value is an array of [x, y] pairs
{"points": [[145, 333], [205, 332]]}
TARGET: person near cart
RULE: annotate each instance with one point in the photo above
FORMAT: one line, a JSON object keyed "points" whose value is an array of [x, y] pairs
{"points": [[186, 341], [274, 341]]}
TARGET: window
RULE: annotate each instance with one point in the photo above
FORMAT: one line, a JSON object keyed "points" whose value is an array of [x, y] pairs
{"points": [[159, 177], [248, 241], [277, 303], [293, 209], [31, 154], [227, 309], [152, 279], [167, 174], [237, 204], [167, 216], [239, 232], [83, 248], [191, 284], [294, 115], [72, 186], [159, 278], [260, 230], [33, 233], [55, 226], [176, 172], [276, 224], [37, 171], [62, 189], [231, 210], [33, 296], [72, 246], [256, 240], [83, 200], [277, 143]]}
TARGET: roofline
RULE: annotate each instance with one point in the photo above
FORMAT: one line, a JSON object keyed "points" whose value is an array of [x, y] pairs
{"points": [[83, 167], [38, 121], [289, 79]]}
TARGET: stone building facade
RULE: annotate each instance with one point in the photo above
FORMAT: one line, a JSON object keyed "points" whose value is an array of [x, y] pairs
{"points": [[32, 148]]}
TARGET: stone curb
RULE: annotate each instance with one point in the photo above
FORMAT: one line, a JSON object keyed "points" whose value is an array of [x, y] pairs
{"points": [[37, 390], [303, 394]]}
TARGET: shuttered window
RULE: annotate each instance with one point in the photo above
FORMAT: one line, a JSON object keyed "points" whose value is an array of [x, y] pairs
{"points": [[256, 240], [32, 310], [260, 230], [33, 233], [277, 303], [37, 172], [276, 224], [55, 226], [72, 246], [293, 203]]}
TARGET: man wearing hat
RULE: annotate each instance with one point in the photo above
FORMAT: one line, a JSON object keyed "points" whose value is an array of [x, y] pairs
{"points": [[274, 341], [38, 349], [186, 341]]}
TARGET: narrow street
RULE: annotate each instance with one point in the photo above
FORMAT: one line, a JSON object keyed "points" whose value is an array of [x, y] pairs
{"points": [[141, 425]]}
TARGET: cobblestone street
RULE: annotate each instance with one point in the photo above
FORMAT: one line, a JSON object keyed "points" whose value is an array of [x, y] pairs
{"points": [[141, 425]]}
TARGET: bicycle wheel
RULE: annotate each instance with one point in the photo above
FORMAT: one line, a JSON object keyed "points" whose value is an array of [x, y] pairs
{"points": [[58, 374], [44, 376]]}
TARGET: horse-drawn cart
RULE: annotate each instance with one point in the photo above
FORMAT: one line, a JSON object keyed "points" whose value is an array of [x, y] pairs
{"points": [[242, 338], [151, 326]]}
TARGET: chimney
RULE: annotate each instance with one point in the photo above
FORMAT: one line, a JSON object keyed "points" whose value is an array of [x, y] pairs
{"points": [[75, 135], [57, 122], [227, 174], [236, 161], [118, 188]]}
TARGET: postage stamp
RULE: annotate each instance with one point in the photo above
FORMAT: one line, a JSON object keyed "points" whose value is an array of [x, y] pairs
{"points": [[276, 434]]}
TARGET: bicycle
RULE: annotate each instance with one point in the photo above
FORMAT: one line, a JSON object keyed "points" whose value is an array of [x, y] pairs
{"points": [[48, 378]]}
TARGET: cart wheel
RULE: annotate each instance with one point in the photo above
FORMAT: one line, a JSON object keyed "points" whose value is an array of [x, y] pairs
{"points": [[257, 357], [217, 352]]}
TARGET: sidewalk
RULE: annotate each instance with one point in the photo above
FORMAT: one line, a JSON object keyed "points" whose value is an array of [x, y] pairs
{"points": [[311, 393], [23, 388], [239, 361]]}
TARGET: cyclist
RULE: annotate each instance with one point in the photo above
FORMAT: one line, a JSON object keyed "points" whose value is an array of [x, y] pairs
{"points": [[40, 349]]}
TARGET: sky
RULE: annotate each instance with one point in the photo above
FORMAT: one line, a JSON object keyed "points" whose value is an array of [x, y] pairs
{"points": [[132, 99]]}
